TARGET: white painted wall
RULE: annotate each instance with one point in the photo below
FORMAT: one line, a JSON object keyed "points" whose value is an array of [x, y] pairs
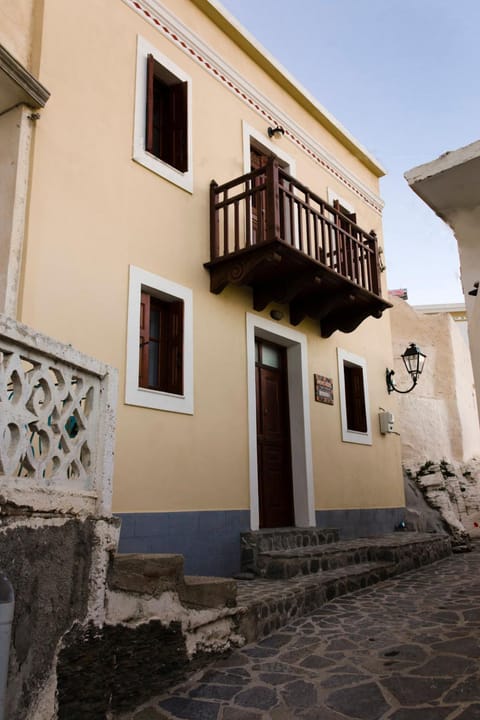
{"points": [[438, 419]]}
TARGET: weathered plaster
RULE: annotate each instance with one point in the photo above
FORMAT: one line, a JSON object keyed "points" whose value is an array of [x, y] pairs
{"points": [[49, 567], [56, 527], [438, 419], [211, 629], [15, 139]]}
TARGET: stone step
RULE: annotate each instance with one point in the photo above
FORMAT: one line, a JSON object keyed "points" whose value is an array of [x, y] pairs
{"points": [[208, 592], [277, 606], [154, 574], [145, 574], [285, 564], [267, 540]]}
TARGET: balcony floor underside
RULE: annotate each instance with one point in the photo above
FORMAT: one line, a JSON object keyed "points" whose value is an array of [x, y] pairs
{"points": [[280, 273]]}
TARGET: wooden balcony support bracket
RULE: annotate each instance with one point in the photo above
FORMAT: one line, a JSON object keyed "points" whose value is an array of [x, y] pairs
{"points": [[346, 320], [285, 289], [316, 307], [241, 267]]}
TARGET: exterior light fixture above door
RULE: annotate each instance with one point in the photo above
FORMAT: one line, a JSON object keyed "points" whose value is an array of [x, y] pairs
{"points": [[275, 132], [413, 359]]}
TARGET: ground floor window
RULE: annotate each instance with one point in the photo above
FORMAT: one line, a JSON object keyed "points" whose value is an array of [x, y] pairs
{"points": [[354, 405], [159, 343]]}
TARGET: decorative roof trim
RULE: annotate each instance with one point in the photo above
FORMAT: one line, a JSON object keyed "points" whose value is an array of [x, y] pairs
{"points": [[172, 28]]}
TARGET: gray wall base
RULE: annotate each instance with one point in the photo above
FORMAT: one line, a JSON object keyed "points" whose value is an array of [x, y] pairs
{"points": [[370, 522], [209, 540]]}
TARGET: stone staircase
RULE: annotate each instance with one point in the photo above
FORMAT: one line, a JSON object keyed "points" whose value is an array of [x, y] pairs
{"points": [[298, 570], [160, 624], [285, 553]]}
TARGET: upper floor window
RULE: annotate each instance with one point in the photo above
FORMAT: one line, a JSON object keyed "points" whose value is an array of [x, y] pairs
{"points": [[163, 122], [354, 401], [166, 116]]}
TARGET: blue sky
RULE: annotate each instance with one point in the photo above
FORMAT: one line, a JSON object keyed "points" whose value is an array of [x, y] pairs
{"points": [[402, 76]]}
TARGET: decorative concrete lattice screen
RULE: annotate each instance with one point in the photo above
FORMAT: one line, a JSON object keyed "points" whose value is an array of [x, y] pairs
{"points": [[57, 424]]}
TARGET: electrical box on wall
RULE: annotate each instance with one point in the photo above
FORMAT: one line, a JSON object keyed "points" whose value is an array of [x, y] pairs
{"points": [[386, 422]]}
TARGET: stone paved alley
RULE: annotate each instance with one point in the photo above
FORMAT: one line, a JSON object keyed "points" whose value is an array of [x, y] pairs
{"points": [[407, 649]]}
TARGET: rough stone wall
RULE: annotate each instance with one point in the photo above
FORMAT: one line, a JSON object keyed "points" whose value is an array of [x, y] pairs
{"points": [[445, 493], [148, 642], [116, 667], [48, 563]]}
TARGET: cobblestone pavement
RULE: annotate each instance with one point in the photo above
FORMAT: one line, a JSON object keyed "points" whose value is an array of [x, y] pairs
{"points": [[406, 649]]}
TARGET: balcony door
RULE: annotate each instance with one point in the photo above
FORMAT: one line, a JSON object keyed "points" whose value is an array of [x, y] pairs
{"points": [[273, 436], [288, 218], [258, 159]]}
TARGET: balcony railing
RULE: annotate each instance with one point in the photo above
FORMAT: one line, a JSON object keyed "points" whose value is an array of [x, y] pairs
{"points": [[268, 208]]}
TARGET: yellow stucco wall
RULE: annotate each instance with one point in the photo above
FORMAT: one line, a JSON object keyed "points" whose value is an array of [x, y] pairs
{"points": [[94, 212], [20, 26]]}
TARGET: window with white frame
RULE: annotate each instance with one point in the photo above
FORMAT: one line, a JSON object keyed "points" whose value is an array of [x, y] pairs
{"points": [[159, 343], [354, 402], [163, 117]]}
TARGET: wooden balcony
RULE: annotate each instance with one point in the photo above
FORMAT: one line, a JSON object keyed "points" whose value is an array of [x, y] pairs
{"points": [[272, 233]]}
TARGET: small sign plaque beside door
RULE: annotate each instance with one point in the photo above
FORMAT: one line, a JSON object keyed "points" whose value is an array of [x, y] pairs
{"points": [[323, 389]]}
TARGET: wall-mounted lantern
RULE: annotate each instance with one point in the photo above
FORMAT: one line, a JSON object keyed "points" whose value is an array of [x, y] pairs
{"points": [[413, 359], [275, 132]]}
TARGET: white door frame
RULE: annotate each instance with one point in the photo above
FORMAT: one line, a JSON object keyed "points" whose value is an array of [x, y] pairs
{"points": [[299, 410]]}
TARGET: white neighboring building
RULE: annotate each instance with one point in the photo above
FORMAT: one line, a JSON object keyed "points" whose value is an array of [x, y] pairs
{"points": [[457, 312], [438, 420], [450, 185]]}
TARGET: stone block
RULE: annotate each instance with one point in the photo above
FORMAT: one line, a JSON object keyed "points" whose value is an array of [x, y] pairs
{"points": [[146, 574], [208, 592], [434, 480]]}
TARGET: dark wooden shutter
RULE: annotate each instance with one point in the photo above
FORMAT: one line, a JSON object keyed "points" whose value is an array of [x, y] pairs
{"points": [[346, 251], [355, 398], [351, 216], [179, 125], [174, 348], [150, 103], [144, 338]]}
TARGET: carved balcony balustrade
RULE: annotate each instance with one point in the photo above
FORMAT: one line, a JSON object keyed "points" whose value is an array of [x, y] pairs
{"points": [[272, 233], [57, 425]]}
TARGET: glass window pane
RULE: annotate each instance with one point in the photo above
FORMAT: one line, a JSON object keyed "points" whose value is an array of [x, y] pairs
{"points": [[155, 317], [270, 356], [153, 363]]}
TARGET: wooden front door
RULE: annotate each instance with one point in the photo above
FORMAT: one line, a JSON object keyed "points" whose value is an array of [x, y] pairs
{"points": [[273, 436]]}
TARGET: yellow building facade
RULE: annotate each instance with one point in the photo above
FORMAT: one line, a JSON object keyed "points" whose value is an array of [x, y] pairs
{"points": [[246, 316]]}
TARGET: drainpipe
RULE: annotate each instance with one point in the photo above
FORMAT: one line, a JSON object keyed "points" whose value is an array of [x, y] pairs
{"points": [[7, 604]]}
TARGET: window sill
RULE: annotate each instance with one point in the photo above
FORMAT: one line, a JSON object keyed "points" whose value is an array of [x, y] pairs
{"points": [[157, 400], [183, 180], [352, 436]]}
